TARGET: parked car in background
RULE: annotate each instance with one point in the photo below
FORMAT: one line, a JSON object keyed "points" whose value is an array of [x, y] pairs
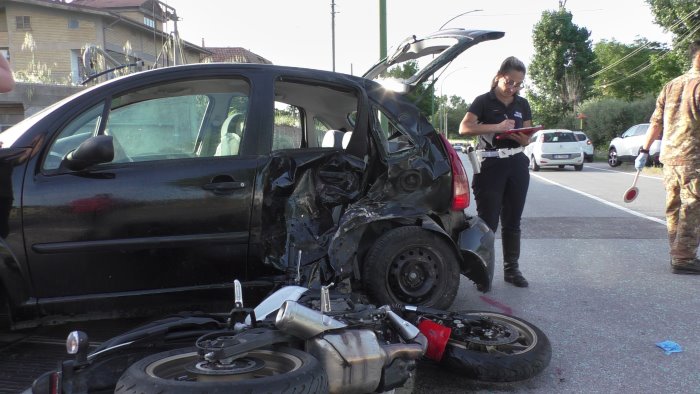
{"points": [[152, 192], [625, 148], [554, 148], [586, 145]]}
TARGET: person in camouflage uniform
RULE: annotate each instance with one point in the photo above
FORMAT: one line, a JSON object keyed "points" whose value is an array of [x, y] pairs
{"points": [[677, 115]]}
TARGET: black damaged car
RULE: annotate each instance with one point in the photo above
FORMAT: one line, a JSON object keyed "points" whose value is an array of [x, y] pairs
{"points": [[153, 191]]}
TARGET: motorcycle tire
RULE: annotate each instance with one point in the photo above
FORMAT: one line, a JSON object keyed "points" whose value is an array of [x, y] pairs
{"points": [[282, 370], [411, 265], [518, 350]]}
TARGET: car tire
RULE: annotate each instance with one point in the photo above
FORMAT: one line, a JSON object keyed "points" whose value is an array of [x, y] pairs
{"points": [[561, 166], [411, 265], [613, 159], [578, 167], [533, 164]]}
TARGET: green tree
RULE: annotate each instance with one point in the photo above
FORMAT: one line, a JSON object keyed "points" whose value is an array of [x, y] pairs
{"points": [[629, 72], [560, 68], [422, 96], [680, 17]]}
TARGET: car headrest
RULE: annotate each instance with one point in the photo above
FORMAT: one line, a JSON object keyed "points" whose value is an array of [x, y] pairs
{"points": [[332, 139]]}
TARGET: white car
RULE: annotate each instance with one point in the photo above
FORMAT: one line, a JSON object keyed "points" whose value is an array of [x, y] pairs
{"points": [[586, 145], [625, 148], [554, 148]]}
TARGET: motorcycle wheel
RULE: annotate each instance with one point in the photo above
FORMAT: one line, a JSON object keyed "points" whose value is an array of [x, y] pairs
{"points": [[283, 370], [502, 348], [410, 265]]}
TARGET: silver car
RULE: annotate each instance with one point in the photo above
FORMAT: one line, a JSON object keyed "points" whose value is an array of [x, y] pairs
{"points": [[586, 145]]}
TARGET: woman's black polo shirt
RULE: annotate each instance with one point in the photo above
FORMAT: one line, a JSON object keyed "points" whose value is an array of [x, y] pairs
{"points": [[489, 110]]}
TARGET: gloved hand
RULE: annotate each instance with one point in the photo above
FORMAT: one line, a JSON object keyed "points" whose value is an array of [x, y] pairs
{"points": [[641, 161]]}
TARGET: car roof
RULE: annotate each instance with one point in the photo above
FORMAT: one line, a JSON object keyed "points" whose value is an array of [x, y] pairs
{"points": [[555, 131]]}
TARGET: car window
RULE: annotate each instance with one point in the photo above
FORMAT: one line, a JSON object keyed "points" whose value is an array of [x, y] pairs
{"points": [[641, 129], [392, 136], [580, 137], [82, 128], [307, 114], [559, 137], [163, 122], [629, 132], [287, 133]]}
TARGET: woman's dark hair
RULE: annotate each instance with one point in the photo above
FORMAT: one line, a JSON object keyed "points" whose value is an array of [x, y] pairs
{"points": [[693, 49], [511, 63]]}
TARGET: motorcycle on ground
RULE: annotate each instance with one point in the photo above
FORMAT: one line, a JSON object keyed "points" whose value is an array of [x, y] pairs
{"points": [[299, 340]]}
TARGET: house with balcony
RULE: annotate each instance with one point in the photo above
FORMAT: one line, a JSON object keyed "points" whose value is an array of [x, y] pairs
{"points": [[54, 45]]}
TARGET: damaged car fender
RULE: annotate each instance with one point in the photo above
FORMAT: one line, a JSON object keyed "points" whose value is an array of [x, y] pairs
{"points": [[476, 244]]}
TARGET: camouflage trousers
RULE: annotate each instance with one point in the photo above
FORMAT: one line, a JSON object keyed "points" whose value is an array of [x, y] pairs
{"points": [[682, 184]]}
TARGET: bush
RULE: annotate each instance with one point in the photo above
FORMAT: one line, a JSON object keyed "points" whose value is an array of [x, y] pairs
{"points": [[607, 118]]}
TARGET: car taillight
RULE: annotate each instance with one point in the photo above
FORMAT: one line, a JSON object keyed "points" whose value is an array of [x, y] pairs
{"points": [[460, 181], [55, 383], [589, 142]]}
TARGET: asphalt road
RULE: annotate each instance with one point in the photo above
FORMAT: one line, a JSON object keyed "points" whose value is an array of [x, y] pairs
{"points": [[600, 289]]}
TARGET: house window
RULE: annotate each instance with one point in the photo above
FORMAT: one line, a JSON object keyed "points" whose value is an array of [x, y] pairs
{"points": [[23, 22], [149, 22], [73, 23]]}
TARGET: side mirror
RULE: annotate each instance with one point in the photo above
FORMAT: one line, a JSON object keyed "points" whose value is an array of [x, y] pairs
{"points": [[94, 150]]}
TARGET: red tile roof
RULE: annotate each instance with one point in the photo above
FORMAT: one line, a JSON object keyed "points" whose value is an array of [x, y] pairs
{"points": [[109, 3], [235, 55]]}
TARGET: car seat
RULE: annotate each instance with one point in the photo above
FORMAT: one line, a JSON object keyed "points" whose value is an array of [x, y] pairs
{"points": [[230, 140], [332, 139]]}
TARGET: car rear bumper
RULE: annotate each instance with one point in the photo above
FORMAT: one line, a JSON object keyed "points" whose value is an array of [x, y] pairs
{"points": [[476, 246], [569, 161]]}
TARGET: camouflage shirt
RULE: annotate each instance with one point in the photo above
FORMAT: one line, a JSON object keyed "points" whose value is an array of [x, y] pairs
{"points": [[678, 112]]}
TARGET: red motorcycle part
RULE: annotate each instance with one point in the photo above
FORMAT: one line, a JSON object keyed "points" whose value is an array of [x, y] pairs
{"points": [[437, 335]]}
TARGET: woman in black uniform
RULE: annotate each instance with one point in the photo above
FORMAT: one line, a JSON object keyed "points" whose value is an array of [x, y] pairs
{"points": [[501, 186]]}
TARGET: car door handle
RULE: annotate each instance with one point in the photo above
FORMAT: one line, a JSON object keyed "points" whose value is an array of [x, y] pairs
{"points": [[223, 187]]}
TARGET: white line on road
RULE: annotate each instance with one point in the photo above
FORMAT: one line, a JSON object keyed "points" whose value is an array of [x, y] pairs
{"points": [[625, 172], [635, 213]]}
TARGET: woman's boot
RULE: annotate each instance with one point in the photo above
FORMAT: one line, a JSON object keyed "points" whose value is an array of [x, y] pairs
{"points": [[511, 254]]}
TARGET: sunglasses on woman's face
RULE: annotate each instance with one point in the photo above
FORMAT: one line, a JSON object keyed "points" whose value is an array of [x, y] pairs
{"points": [[512, 84]]}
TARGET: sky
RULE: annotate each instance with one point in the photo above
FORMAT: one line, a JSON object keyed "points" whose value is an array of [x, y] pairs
{"points": [[299, 33]]}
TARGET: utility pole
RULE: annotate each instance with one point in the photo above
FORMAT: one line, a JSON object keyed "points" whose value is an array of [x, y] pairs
{"points": [[382, 29], [333, 31]]}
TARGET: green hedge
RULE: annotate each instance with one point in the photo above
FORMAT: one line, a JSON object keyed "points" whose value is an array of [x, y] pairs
{"points": [[607, 118]]}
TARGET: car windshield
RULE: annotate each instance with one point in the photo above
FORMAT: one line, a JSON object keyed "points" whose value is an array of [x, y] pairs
{"points": [[559, 137]]}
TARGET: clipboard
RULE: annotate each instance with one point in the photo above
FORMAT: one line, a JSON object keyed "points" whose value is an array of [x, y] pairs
{"points": [[527, 130]]}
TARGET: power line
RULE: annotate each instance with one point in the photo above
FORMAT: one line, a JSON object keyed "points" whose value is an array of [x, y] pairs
{"points": [[645, 46], [649, 63]]}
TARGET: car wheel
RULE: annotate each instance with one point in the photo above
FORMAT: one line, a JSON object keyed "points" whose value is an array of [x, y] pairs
{"points": [[411, 265], [613, 160], [533, 164], [561, 166], [578, 167]]}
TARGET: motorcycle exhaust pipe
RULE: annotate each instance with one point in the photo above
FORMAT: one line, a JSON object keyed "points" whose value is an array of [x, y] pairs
{"points": [[302, 322]]}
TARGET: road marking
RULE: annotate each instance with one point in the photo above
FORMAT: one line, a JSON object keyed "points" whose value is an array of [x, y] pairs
{"points": [[606, 202], [626, 172]]}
